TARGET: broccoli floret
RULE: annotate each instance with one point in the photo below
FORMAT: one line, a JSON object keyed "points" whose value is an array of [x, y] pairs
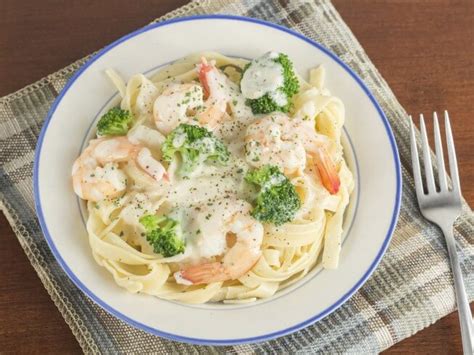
{"points": [[116, 122], [195, 145], [277, 200], [164, 234], [265, 103]]}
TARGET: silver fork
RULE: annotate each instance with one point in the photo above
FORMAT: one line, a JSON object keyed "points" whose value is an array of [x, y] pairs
{"points": [[442, 208]]}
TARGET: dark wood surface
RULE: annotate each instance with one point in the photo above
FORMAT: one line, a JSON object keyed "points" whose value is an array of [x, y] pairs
{"points": [[424, 49]]}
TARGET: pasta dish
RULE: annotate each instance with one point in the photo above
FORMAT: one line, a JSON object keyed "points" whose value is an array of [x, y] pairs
{"points": [[216, 179]]}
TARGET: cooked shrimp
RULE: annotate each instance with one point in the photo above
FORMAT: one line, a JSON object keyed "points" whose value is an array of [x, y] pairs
{"points": [[327, 170], [217, 227], [267, 141], [176, 105], [217, 89], [204, 104], [96, 174], [316, 146], [286, 143]]}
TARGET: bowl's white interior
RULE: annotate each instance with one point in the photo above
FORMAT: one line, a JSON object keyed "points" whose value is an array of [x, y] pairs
{"points": [[305, 302]]}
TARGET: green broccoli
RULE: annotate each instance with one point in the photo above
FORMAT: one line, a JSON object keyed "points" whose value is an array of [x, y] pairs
{"points": [[116, 122], [266, 103], [164, 234], [195, 145], [277, 200]]}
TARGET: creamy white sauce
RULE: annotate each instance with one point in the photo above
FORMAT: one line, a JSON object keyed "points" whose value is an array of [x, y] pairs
{"points": [[179, 139], [198, 203], [111, 174], [275, 180], [136, 208], [206, 144], [210, 183], [279, 97], [201, 202], [170, 109], [264, 76], [144, 135], [210, 240]]}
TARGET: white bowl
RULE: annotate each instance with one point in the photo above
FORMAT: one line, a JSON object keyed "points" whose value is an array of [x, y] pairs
{"points": [[370, 149]]}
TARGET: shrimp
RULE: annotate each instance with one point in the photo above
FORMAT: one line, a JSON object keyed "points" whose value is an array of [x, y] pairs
{"points": [[216, 87], [327, 170], [232, 230], [286, 143], [205, 104], [96, 174], [316, 145], [267, 142], [180, 103], [176, 105]]}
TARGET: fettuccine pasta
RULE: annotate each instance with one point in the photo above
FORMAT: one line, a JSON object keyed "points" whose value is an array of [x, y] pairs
{"points": [[216, 180]]}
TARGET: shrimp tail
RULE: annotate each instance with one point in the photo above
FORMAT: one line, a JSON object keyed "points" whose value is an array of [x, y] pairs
{"points": [[204, 68], [204, 273], [327, 171]]}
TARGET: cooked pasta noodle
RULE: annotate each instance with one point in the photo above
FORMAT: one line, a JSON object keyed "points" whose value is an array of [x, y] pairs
{"points": [[286, 252]]}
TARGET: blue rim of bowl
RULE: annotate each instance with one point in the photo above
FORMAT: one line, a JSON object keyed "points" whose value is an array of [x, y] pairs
{"points": [[310, 320]]}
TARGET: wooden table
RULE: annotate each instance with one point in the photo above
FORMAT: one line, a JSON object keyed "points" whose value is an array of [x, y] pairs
{"points": [[424, 50]]}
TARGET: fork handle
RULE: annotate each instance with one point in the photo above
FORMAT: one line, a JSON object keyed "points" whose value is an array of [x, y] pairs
{"points": [[464, 310]]}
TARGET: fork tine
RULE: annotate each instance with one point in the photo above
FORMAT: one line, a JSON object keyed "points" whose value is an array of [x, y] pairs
{"points": [[426, 157], [453, 165], [443, 185], [415, 162]]}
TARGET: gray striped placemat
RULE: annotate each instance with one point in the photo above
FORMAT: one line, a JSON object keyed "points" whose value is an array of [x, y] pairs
{"points": [[411, 289]]}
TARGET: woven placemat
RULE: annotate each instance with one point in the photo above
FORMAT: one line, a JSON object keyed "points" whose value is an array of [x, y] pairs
{"points": [[411, 289]]}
